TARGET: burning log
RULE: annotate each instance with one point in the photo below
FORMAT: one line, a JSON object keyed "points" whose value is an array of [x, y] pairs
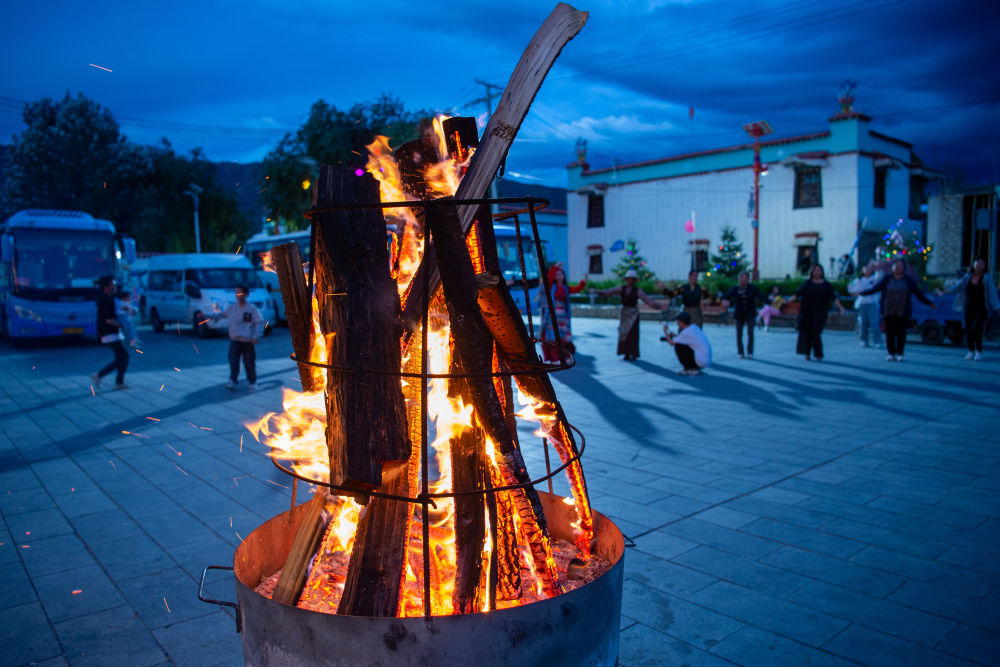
{"points": [[307, 542], [298, 309], [378, 559], [474, 346], [559, 28], [507, 328], [359, 306], [469, 470]]}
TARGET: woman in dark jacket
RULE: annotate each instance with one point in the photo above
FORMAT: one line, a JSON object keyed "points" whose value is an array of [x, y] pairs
{"points": [[815, 295], [896, 289], [628, 323]]}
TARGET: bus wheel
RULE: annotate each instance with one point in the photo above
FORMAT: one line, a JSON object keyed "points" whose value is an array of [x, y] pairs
{"points": [[200, 330], [931, 333], [154, 319]]}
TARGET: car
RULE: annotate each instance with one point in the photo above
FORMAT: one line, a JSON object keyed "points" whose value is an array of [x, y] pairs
{"points": [[190, 288]]}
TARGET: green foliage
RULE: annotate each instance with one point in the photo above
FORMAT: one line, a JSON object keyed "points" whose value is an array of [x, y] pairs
{"points": [[730, 260], [64, 159], [633, 260], [73, 156], [330, 136]]}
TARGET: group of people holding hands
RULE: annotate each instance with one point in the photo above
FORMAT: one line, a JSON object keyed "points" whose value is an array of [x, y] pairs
{"points": [[883, 295]]}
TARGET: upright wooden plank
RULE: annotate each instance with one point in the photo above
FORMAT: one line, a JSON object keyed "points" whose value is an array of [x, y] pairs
{"points": [[559, 28], [359, 315], [298, 309]]}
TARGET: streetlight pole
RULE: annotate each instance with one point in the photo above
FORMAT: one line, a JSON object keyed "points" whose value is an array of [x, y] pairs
{"points": [[756, 130], [193, 191]]}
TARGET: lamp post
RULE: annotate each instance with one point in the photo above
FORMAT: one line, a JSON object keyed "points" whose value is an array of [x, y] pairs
{"points": [[193, 190], [757, 130]]}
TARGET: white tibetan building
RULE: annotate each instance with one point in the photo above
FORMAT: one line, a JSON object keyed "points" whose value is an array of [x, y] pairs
{"points": [[818, 191]]}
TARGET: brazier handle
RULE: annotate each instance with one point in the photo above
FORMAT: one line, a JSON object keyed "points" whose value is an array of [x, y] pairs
{"points": [[221, 603]]}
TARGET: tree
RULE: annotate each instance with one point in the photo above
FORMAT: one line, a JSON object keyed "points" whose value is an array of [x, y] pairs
{"points": [[330, 136], [633, 260], [73, 156], [65, 157], [730, 260]]}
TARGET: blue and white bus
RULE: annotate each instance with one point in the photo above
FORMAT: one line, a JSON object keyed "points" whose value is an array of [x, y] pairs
{"points": [[51, 261]]}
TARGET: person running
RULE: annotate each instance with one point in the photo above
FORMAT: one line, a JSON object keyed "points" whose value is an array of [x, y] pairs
{"points": [[976, 296], [560, 292], [867, 306], [691, 296], [245, 324], [896, 289], [628, 322], [109, 333], [743, 297], [815, 295], [690, 345], [773, 307]]}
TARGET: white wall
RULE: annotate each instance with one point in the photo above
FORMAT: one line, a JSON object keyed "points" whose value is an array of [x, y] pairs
{"points": [[653, 213]]}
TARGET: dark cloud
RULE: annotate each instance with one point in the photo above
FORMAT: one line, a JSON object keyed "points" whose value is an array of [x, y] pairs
{"points": [[926, 70]]}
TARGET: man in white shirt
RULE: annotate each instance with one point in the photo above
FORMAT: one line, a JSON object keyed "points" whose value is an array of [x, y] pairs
{"points": [[690, 344], [245, 324]]}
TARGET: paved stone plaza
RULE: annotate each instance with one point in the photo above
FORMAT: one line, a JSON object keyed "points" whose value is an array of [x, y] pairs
{"points": [[784, 512]]}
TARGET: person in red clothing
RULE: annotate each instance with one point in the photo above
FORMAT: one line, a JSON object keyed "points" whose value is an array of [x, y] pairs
{"points": [[560, 292]]}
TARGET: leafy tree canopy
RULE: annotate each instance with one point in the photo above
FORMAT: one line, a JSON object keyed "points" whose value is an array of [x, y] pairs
{"points": [[330, 136], [72, 155]]}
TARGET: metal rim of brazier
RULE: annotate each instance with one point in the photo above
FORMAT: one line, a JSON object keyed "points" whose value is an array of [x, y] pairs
{"points": [[579, 627]]}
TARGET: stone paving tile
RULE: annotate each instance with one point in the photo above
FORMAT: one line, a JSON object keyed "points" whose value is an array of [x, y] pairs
{"points": [[882, 615], [928, 571], [218, 643], [870, 647], [888, 539], [723, 516], [834, 571], [757, 647], [114, 636], [784, 618], [749, 573], [58, 593], [811, 540], [968, 610], [664, 575], [164, 598], [18, 589], [973, 644], [723, 538], [26, 527], [643, 646], [55, 554], [688, 622], [26, 636]]}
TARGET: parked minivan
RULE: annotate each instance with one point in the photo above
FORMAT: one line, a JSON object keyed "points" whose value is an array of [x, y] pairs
{"points": [[191, 287]]}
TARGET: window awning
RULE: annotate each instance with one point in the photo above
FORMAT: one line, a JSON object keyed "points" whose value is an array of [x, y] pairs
{"points": [[809, 159], [805, 239]]}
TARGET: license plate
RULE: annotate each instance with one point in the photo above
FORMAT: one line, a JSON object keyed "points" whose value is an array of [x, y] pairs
{"points": [[72, 330]]}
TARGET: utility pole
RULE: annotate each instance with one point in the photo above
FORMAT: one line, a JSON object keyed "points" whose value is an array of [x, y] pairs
{"points": [[756, 130], [488, 99]]}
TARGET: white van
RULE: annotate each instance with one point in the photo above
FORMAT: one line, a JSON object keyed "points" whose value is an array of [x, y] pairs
{"points": [[189, 288]]}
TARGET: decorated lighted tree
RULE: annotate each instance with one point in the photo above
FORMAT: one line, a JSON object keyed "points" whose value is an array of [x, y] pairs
{"points": [[897, 245], [633, 260], [730, 259]]}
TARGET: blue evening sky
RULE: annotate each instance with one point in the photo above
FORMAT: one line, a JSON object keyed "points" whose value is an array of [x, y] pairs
{"points": [[233, 76]]}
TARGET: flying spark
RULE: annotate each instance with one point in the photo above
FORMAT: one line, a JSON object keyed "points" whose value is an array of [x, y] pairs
{"points": [[153, 419], [77, 591], [167, 606], [269, 481], [195, 348], [181, 469], [99, 67], [238, 248], [162, 386], [177, 369]]}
